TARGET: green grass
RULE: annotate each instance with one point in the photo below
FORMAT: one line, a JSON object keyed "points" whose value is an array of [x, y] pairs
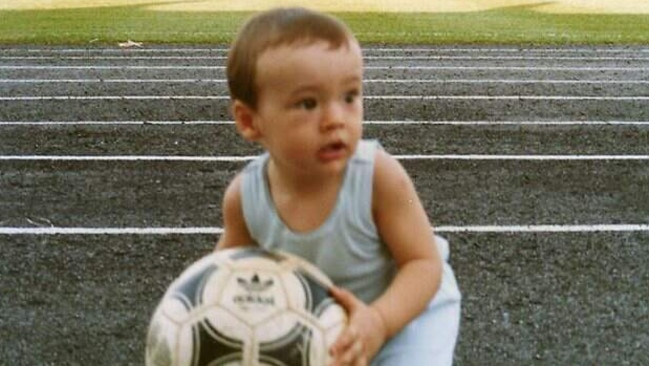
{"points": [[517, 25]]}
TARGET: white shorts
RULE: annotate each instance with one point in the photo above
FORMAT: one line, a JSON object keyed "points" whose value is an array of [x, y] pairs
{"points": [[430, 339]]}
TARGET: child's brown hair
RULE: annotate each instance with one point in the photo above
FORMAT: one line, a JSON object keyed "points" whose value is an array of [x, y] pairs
{"points": [[273, 28]]}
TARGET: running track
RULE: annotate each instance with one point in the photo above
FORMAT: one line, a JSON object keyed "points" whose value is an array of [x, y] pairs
{"points": [[533, 162]]}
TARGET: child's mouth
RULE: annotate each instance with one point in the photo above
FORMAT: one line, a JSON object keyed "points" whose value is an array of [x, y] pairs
{"points": [[333, 151]]}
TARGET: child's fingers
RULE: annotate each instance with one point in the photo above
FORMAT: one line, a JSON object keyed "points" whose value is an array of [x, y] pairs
{"points": [[361, 361], [353, 355], [349, 348], [357, 354], [345, 341]]}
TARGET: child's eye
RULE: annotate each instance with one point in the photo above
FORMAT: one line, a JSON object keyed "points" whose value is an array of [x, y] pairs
{"points": [[308, 103], [351, 97]]}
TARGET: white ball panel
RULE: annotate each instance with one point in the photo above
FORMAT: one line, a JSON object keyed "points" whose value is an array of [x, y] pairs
{"points": [[285, 339], [185, 345], [277, 327], [318, 349], [294, 289], [331, 335], [174, 309], [226, 323], [161, 341], [256, 263], [214, 286], [333, 316]]}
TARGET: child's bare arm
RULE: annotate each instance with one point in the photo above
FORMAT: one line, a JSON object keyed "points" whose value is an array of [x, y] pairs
{"points": [[235, 230], [404, 226]]}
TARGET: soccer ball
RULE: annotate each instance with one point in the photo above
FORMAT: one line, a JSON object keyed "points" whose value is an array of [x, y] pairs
{"points": [[246, 306]]}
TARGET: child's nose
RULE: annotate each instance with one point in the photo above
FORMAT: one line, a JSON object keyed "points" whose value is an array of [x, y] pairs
{"points": [[334, 117]]}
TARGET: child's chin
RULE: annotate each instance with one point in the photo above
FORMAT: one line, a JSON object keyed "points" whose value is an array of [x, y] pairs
{"points": [[334, 166]]}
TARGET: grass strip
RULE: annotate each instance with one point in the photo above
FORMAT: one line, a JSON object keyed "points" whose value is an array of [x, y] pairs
{"points": [[516, 25]]}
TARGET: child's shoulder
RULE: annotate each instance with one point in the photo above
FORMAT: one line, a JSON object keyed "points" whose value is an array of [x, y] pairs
{"points": [[386, 167], [390, 177]]}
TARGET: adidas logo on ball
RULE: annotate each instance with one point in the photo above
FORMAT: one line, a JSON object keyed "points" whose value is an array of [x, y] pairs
{"points": [[254, 288]]}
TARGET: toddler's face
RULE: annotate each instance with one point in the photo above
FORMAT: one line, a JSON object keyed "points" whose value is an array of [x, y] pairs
{"points": [[310, 107]]}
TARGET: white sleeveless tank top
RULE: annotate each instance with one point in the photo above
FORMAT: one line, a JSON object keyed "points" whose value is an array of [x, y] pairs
{"points": [[346, 246]]}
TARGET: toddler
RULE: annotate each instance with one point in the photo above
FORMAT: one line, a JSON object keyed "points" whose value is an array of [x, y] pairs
{"points": [[322, 192]]}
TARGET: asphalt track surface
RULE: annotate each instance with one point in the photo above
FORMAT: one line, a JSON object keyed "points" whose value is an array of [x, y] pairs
{"points": [[533, 162]]}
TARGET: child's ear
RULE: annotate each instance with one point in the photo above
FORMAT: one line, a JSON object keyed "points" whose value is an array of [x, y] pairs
{"points": [[244, 118]]}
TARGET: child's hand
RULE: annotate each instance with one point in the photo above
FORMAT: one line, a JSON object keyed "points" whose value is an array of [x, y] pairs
{"points": [[364, 335]]}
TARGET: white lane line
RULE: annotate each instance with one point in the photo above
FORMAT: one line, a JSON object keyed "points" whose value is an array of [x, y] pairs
{"points": [[512, 123], [522, 229], [366, 57], [523, 157], [510, 50], [108, 230], [367, 81], [109, 67], [365, 49], [395, 123], [366, 97], [504, 97], [195, 158], [504, 81], [389, 67], [543, 228], [124, 57], [507, 58], [119, 81], [116, 97], [122, 158], [112, 123], [88, 50]]}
